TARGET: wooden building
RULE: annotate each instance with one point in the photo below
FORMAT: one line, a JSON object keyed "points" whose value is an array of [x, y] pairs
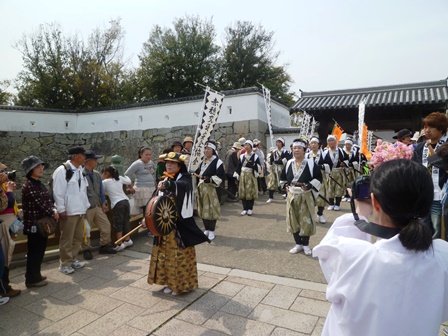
{"points": [[391, 107]]}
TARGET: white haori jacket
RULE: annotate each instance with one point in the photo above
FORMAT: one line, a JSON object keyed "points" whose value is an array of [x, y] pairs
{"points": [[382, 288]]}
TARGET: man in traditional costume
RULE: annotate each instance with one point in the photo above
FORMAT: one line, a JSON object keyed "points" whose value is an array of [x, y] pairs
{"points": [[335, 159], [173, 257], [210, 174], [315, 153], [246, 173], [303, 179], [277, 159]]}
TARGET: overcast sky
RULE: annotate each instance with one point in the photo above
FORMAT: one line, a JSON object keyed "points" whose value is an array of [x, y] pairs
{"points": [[328, 44]]}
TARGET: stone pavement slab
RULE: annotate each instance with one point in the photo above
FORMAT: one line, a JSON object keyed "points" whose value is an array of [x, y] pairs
{"points": [[228, 302]]}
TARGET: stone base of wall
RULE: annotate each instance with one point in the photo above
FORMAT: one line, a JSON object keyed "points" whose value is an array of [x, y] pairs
{"points": [[52, 148]]}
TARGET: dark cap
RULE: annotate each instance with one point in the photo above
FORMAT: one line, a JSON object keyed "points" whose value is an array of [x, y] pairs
{"points": [[177, 143], [76, 150], [403, 134], [90, 154], [30, 163]]}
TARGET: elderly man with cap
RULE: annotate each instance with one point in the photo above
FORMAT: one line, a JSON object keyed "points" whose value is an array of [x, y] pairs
{"points": [[96, 214], [277, 158], [404, 136], [70, 197], [335, 159], [246, 173]]}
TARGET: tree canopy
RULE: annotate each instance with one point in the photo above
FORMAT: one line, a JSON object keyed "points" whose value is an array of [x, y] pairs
{"points": [[67, 72]]}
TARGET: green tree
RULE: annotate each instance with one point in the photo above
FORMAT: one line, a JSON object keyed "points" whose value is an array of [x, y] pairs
{"points": [[68, 73], [248, 60], [172, 60], [6, 98]]}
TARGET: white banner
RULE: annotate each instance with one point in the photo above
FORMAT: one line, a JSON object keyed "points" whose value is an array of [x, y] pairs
{"points": [[312, 129], [267, 104], [212, 105], [305, 124], [361, 112]]}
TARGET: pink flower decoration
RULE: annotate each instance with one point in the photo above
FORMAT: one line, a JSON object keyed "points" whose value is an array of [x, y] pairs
{"points": [[386, 151]]}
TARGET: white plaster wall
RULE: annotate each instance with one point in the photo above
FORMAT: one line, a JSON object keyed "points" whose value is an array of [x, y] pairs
{"points": [[235, 108]]}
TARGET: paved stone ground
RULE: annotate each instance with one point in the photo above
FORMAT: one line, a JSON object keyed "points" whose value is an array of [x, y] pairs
{"points": [[258, 243], [248, 285]]}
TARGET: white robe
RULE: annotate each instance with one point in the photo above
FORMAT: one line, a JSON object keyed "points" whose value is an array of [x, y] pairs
{"points": [[382, 288]]}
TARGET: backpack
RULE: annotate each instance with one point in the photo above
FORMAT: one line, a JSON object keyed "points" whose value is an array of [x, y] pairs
{"points": [[68, 176]]}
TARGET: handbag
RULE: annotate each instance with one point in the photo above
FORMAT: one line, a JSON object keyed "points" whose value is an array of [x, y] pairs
{"points": [[46, 226], [16, 227]]}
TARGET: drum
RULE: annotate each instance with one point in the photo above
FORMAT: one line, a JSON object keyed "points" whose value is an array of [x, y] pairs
{"points": [[160, 215]]}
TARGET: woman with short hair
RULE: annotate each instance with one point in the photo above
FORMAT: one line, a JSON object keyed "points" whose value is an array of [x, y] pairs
{"points": [[36, 204]]}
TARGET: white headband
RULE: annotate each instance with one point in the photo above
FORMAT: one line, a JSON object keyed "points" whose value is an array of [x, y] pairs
{"points": [[314, 139], [331, 136], [250, 143], [299, 143], [281, 140], [349, 142], [210, 145]]}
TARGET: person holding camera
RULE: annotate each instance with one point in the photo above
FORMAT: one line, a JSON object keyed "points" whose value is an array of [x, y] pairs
{"points": [[303, 179], [36, 204], [397, 285], [7, 217]]}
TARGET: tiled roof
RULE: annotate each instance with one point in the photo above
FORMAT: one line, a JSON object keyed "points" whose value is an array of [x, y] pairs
{"points": [[143, 104], [392, 95]]}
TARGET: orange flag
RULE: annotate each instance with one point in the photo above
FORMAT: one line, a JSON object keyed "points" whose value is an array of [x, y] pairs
{"points": [[337, 132], [364, 147]]}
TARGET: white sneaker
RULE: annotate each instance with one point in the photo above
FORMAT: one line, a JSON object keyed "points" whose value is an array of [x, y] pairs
{"points": [[243, 213], [296, 249], [3, 300], [348, 199], [166, 290], [249, 212], [66, 270], [284, 196], [211, 235], [128, 243], [307, 250], [120, 247], [336, 208], [321, 219], [77, 264], [206, 232], [331, 207], [269, 200]]}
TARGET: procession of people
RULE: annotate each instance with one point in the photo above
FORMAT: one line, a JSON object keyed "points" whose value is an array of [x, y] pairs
{"points": [[309, 177]]}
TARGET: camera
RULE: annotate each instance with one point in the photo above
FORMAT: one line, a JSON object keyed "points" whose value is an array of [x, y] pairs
{"points": [[11, 175], [361, 188]]}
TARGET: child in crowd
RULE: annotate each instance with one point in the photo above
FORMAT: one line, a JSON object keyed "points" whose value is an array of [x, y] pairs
{"points": [[113, 187]]}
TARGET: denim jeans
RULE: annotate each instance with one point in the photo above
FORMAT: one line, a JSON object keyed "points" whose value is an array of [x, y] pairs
{"points": [[434, 220]]}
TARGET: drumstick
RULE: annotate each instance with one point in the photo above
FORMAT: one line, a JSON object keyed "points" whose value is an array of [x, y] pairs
{"points": [[128, 234]]}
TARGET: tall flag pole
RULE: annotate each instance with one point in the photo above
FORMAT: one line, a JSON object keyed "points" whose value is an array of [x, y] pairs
{"points": [[361, 113], [267, 105], [210, 111]]}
